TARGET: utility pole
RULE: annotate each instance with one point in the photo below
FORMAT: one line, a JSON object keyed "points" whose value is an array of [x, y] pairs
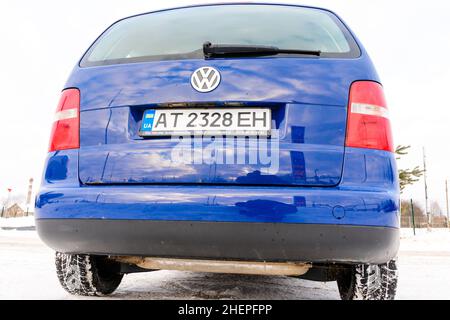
{"points": [[426, 190], [30, 191], [446, 198]]}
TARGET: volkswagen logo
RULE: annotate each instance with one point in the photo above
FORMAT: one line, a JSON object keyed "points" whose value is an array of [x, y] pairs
{"points": [[205, 79]]}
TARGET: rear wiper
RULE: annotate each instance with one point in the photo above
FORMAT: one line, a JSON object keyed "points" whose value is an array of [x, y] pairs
{"points": [[218, 50]]}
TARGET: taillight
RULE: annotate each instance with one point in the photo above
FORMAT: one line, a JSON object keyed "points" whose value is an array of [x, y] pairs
{"points": [[368, 119], [66, 128]]}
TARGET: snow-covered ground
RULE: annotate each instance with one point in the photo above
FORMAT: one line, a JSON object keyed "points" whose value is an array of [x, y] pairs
{"points": [[424, 263], [14, 223], [27, 272]]}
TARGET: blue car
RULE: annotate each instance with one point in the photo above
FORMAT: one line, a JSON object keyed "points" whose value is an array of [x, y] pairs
{"points": [[227, 138]]}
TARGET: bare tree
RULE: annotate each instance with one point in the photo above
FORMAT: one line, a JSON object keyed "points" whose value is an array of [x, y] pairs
{"points": [[435, 208], [406, 209]]}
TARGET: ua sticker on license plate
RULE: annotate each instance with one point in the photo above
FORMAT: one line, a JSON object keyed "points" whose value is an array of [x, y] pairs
{"points": [[166, 122]]}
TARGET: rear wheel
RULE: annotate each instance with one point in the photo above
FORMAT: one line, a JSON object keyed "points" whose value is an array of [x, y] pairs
{"points": [[369, 282], [87, 275]]}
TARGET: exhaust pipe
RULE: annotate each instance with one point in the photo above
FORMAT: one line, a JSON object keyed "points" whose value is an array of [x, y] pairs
{"points": [[218, 266]]}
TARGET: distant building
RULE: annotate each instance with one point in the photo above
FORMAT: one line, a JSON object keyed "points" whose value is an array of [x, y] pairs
{"points": [[15, 211]]}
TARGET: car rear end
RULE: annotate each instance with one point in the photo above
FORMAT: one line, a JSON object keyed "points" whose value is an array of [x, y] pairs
{"points": [[303, 170]]}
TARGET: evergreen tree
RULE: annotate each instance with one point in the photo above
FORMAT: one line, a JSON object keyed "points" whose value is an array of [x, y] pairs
{"points": [[407, 176]]}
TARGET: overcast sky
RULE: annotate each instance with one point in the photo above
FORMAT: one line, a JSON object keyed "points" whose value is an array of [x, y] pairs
{"points": [[41, 41]]}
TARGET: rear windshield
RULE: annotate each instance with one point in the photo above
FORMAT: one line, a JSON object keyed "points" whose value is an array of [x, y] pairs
{"points": [[180, 33]]}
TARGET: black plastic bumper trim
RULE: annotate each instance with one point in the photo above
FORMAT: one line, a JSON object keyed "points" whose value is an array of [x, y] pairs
{"points": [[222, 240]]}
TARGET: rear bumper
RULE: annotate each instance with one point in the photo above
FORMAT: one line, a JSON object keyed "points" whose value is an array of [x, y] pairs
{"points": [[222, 240], [344, 224]]}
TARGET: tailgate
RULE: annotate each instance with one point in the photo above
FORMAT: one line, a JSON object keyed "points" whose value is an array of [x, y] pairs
{"points": [[307, 99]]}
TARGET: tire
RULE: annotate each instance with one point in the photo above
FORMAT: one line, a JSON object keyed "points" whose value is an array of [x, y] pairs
{"points": [[87, 275], [369, 282]]}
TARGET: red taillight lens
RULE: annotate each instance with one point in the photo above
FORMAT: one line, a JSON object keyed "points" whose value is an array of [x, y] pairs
{"points": [[66, 128], [368, 122]]}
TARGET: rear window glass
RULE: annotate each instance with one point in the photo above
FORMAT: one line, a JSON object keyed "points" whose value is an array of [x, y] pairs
{"points": [[180, 33]]}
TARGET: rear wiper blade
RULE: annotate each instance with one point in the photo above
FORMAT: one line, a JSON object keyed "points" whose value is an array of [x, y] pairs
{"points": [[217, 50]]}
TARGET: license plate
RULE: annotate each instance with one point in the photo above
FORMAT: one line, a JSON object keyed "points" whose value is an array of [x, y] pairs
{"points": [[167, 122]]}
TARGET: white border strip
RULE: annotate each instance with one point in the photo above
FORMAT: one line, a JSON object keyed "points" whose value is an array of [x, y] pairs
{"points": [[66, 114], [370, 109]]}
